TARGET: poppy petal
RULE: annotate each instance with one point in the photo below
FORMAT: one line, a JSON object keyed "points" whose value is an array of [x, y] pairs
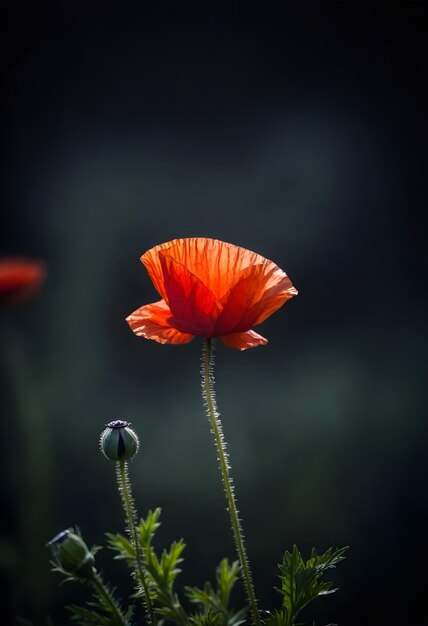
{"points": [[277, 291], [238, 300], [151, 261], [194, 307], [243, 341], [216, 263], [152, 322], [257, 293], [214, 288]]}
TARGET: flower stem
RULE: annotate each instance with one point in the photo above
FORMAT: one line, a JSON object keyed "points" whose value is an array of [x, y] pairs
{"points": [[208, 395], [131, 519], [104, 593]]}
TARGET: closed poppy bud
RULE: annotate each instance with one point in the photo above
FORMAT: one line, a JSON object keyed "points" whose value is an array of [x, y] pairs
{"points": [[71, 554], [118, 442]]}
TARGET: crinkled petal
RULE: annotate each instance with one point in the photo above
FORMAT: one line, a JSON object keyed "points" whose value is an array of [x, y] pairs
{"points": [[193, 306], [214, 288], [258, 292], [243, 341], [153, 322], [216, 263], [277, 291], [238, 300]]}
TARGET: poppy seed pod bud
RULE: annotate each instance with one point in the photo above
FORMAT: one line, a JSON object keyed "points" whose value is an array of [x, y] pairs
{"points": [[118, 442], [71, 554]]}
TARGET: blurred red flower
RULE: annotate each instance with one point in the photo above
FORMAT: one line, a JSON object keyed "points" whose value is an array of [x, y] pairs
{"points": [[20, 279], [209, 288]]}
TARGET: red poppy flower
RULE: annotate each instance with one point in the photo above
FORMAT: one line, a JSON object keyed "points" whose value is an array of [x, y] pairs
{"points": [[20, 279], [209, 288]]}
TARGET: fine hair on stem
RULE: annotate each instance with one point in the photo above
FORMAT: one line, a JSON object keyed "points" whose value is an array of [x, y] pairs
{"points": [[208, 394], [125, 491]]}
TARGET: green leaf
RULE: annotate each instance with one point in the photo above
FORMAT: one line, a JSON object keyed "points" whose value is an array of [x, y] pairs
{"points": [[207, 619], [303, 581], [122, 545], [170, 560], [86, 617], [161, 572], [148, 527], [206, 597], [215, 602], [227, 575], [278, 618]]}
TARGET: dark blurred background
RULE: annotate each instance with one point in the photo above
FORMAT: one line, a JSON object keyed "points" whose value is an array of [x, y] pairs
{"points": [[298, 130]]}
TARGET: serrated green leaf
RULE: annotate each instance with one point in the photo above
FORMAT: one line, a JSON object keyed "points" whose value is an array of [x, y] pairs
{"points": [[214, 602], [148, 526], [122, 545], [207, 619], [302, 581], [277, 618], [227, 575], [204, 596], [169, 561], [89, 617]]}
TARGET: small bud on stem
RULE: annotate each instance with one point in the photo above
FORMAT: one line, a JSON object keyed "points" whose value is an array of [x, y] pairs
{"points": [[118, 442], [71, 555]]}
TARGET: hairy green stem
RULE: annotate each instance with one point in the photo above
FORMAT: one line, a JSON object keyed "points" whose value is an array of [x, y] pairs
{"points": [[208, 395], [131, 520], [104, 593]]}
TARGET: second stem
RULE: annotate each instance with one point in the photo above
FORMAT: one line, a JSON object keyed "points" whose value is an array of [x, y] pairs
{"points": [[131, 519]]}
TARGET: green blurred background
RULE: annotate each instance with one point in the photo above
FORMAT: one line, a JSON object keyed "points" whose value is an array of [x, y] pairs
{"points": [[297, 130]]}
